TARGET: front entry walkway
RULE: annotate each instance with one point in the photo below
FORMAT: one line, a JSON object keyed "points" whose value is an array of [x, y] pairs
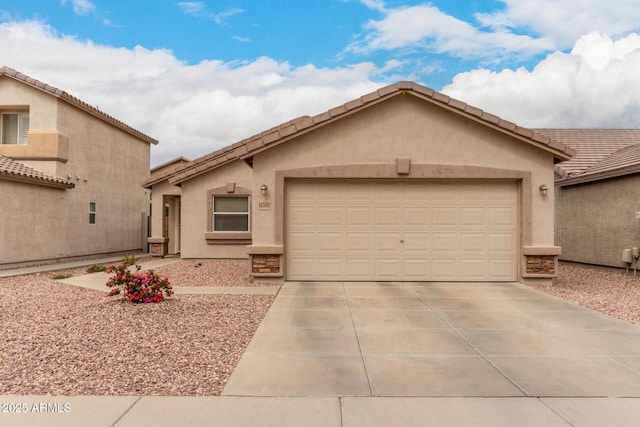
{"points": [[435, 340]]}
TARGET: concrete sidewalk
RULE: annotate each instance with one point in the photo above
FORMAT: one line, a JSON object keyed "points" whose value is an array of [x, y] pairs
{"points": [[158, 411]]}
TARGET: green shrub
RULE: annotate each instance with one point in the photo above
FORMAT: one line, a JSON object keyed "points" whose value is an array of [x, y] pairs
{"points": [[60, 276], [95, 268]]}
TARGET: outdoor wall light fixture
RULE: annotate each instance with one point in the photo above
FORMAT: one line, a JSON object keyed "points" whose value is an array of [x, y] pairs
{"points": [[264, 189], [543, 190]]}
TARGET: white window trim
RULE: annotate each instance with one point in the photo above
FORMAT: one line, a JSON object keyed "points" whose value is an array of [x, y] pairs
{"points": [[22, 130]]}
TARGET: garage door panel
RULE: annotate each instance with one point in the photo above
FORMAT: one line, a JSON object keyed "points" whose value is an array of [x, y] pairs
{"points": [[473, 216], [359, 268], [416, 268], [387, 242], [302, 267], [359, 242], [388, 268], [473, 243], [417, 216], [501, 269], [330, 242], [502, 243], [472, 268], [444, 269], [395, 230], [502, 216], [330, 216], [445, 242], [330, 267], [387, 216], [445, 192], [299, 216], [445, 217], [416, 242], [299, 242], [363, 192], [359, 216]]}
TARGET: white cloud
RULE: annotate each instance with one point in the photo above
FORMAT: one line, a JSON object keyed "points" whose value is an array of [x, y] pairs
{"points": [[80, 7], [191, 109], [194, 8], [199, 9], [565, 21], [426, 27], [523, 28], [595, 85]]}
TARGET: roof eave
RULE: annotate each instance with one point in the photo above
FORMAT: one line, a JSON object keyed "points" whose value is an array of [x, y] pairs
{"points": [[37, 181], [599, 176]]}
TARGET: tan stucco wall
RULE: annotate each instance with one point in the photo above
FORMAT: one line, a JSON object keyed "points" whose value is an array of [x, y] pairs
{"points": [[195, 212], [437, 142], [107, 166], [407, 127], [596, 221]]}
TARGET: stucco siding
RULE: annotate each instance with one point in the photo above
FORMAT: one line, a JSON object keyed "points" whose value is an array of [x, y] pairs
{"points": [[195, 211], [107, 166], [407, 127], [596, 221]]}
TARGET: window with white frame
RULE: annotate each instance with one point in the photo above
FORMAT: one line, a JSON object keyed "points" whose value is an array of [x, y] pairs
{"points": [[14, 128], [92, 212], [230, 214]]}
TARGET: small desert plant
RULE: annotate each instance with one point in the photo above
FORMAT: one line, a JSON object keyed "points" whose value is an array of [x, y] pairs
{"points": [[95, 268], [136, 286], [60, 276]]}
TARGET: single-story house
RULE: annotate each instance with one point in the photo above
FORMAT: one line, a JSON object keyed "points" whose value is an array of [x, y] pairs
{"points": [[598, 195], [70, 176], [401, 184]]}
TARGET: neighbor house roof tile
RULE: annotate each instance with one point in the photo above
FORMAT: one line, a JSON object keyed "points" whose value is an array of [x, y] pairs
{"points": [[599, 152], [16, 171], [301, 125]]}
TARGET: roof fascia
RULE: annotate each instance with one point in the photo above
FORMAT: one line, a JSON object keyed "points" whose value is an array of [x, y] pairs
{"points": [[599, 176], [35, 181]]}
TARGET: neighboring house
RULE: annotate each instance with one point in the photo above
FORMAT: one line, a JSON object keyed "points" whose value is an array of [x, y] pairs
{"points": [[401, 184], [70, 176], [598, 195]]}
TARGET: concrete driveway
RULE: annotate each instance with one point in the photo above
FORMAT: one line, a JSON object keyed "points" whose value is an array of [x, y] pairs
{"points": [[435, 340]]}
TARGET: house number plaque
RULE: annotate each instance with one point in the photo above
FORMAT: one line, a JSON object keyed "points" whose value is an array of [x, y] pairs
{"points": [[265, 206]]}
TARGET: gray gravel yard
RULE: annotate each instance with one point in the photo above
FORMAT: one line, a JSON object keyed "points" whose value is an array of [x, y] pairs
{"points": [[63, 340]]}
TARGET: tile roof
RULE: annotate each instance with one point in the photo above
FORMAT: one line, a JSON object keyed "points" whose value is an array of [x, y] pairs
{"points": [[16, 171], [58, 93], [165, 170], [265, 140], [601, 153]]}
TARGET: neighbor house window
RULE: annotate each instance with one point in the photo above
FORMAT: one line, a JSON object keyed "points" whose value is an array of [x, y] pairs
{"points": [[92, 212], [15, 128], [230, 214]]}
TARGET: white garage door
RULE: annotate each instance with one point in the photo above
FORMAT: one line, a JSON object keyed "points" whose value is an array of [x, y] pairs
{"points": [[402, 230]]}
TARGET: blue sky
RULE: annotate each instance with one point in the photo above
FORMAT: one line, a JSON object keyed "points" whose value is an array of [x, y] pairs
{"points": [[198, 75]]}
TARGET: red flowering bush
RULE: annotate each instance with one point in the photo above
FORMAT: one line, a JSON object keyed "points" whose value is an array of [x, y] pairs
{"points": [[136, 286]]}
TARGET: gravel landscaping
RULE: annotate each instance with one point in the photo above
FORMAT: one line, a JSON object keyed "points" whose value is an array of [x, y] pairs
{"points": [[606, 290], [210, 272], [63, 340]]}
